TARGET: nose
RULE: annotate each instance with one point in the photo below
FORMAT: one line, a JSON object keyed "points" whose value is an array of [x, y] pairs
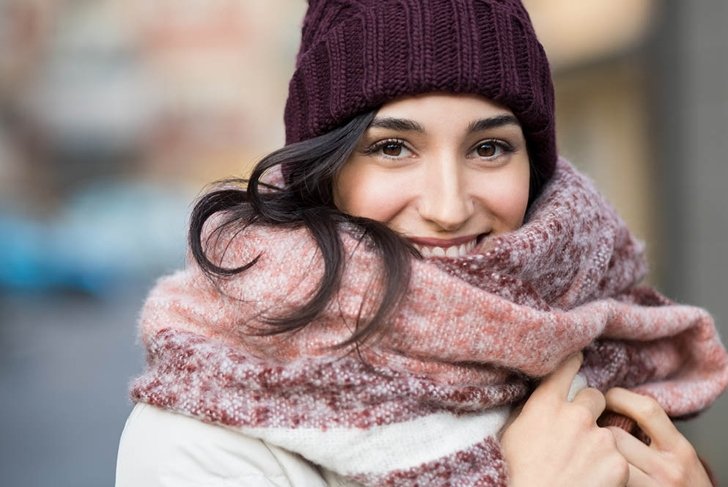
{"points": [[444, 199]]}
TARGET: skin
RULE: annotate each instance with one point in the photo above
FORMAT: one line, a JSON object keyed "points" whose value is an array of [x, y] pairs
{"points": [[443, 170], [447, 171], [669, 460], [554, 441]]}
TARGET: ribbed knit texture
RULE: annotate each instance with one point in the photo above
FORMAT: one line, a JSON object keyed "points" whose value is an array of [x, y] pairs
{"points": [[356, 55], [424, 404]]}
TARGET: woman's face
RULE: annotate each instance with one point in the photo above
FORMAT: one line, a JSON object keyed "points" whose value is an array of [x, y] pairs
{"points": [[443, 170]]}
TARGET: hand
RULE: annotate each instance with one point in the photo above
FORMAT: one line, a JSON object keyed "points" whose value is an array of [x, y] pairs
{"points": [[669, 460], [556, 442]]}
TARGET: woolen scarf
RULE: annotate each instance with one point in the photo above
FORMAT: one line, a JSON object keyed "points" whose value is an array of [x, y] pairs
{"points": [[425, 402]]}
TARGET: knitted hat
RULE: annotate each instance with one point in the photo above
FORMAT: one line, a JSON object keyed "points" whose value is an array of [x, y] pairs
{"points": [[356, 55]]}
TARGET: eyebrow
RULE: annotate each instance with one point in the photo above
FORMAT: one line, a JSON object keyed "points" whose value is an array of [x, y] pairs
{"points": [[406, 125], [492, 122], [401, 124]]}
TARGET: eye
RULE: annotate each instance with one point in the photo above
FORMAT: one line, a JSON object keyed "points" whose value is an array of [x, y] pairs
{"points": [[391, 148], [489, 149], [492, 149]]}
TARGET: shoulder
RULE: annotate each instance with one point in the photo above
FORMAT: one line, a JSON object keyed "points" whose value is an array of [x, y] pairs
{"points": [[160, 448]]}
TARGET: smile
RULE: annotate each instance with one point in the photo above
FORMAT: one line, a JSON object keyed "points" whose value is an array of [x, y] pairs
{"points": [[452, 248]]}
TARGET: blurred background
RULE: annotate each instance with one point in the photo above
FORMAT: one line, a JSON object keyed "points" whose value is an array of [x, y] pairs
{"points": [[115, 114]]}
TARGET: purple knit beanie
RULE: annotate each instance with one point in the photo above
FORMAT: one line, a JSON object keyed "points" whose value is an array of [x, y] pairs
{"points": [[355, 55]]}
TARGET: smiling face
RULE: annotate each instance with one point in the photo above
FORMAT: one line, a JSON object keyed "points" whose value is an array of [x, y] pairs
{"points": [[443, 170]]}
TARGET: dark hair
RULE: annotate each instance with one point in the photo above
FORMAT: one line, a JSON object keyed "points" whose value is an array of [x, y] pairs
{"points": [[309, 168], [306, 200]]}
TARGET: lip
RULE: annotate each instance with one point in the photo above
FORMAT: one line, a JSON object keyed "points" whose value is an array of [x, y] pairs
{"points": [[451, 247]]}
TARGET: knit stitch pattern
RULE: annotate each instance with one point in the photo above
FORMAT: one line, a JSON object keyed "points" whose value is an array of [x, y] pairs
{"points": [[424, 404], [356, 55]]}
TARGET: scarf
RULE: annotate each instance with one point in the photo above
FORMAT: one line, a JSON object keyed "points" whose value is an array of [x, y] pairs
{"points": [[425, 402]]}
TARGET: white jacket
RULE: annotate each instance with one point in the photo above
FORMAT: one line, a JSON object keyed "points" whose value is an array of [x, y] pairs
{"points": [[160, 448]]}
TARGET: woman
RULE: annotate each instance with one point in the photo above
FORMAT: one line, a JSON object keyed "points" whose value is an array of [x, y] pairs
{"points": [[401, 295]]}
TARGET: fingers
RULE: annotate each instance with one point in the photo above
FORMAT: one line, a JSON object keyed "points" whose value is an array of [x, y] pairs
{"points": [[634, 451], [648, 414], [637, 478], [577, 384], [564, 385], [559, 381], [678, 466], [592, 400]]}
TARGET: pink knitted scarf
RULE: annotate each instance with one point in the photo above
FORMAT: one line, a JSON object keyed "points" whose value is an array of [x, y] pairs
{"points": [[424, 404]]}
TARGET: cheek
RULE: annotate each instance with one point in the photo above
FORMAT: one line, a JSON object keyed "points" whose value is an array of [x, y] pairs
{"points": [[362, 192], [516, 206], [506, 198]]}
